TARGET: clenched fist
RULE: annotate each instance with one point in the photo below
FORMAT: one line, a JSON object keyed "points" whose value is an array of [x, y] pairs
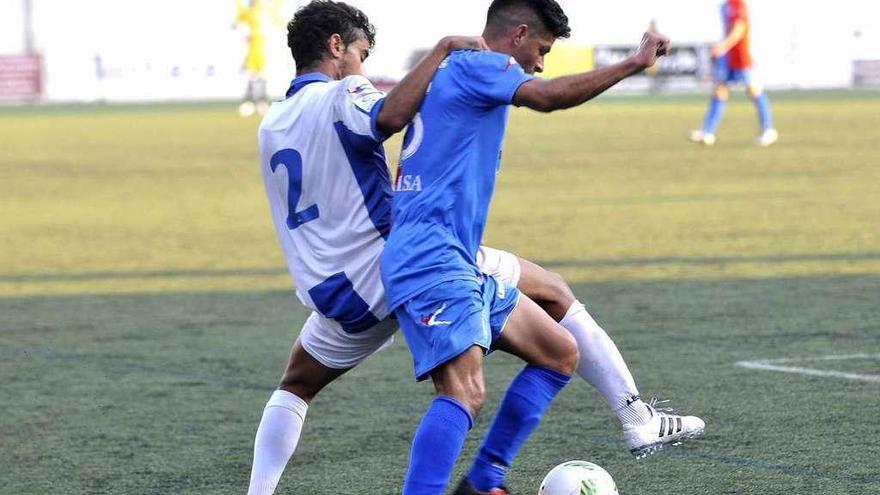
{"points": [[652, 47]]}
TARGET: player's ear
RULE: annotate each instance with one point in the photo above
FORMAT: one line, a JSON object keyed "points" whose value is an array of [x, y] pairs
{"points": [[519, 34], [335, 46]]}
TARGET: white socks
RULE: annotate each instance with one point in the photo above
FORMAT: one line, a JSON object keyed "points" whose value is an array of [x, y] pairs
{"points": [[276, 440], [602, 366]]}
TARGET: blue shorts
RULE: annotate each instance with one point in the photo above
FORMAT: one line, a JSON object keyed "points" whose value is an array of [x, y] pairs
{"points": [[725, 75], [446, 320]]}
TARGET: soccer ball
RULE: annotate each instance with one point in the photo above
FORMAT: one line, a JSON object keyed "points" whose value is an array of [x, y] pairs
{"points": [[578, 478]]}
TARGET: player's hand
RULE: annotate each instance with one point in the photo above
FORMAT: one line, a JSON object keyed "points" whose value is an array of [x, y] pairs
{"points": [[718, 50], [652, 47], [452, 43]]}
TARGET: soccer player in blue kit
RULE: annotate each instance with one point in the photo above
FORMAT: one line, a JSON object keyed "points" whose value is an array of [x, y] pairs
{"points": [[452, 314]]}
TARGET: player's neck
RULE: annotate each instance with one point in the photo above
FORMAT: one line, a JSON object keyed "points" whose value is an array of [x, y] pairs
{"points": [[326, 67], [498, 44]]}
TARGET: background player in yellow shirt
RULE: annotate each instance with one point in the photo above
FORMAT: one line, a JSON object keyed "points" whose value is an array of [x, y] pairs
{"points": [[256, 15]]}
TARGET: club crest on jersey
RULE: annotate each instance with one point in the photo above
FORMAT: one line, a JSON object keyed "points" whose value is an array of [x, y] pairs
{"points": [[364, 96], [357, 89], [408, 183], [431, 319]]}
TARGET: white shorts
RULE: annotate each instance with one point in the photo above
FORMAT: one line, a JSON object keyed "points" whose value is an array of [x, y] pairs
{"points": [[325, 340]]}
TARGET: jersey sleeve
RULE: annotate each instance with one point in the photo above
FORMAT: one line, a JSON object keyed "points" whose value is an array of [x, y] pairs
{"points": [[492, 79], [358, 104]]}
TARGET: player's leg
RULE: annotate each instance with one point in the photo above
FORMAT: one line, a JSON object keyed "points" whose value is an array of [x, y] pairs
{"points": [[446, 335], [602, 366], [447, 328], [600, 363], [322, 353], [283, 417], [551, 356], [248, 106], [715, 112], [262, 95], [257, 69], [756, 93], [720, 93], [440, 436], [548, 289]]}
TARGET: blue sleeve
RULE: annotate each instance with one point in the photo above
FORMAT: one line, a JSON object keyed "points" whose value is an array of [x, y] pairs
{"points": [[492, 78]]}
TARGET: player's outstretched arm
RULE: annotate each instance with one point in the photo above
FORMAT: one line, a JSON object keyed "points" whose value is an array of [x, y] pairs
{"points": [[570, 91], [404, 100]]}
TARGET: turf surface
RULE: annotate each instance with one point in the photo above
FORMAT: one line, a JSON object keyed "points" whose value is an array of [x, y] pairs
{"points": [[145, 313]]}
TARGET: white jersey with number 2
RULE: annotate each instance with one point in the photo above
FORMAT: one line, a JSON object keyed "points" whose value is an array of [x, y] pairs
{"points": [[327, 182]]}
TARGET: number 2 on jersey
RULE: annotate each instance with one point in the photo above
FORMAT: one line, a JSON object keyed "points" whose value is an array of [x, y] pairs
{"points": [[292, 161]]}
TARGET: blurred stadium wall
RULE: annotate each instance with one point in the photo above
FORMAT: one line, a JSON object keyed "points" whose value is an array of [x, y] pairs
{"points": [[149, 50]]}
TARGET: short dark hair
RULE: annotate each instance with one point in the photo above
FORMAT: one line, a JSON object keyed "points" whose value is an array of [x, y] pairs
{"points": [[313, 24], [504, 14]]}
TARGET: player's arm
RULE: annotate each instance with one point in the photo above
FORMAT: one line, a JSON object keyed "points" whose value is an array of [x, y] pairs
{"points": [[570, 91], [736, 34], [404, 101]]}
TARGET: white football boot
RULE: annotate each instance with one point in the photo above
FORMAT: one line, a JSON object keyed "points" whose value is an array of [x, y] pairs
{"points": [[664, 427], [704, 138], [768, 137]]}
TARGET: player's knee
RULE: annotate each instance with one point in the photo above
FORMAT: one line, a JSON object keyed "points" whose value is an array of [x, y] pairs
{"points": [[558, 291], [302, 381], [471, 392], [553, 294], [754, 91], [569, 356], [563, 355], [300, 384], [476, 397], [299, 387], [721, 92]]}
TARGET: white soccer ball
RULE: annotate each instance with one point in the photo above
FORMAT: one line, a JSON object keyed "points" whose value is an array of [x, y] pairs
{"points": [[578, 478]]}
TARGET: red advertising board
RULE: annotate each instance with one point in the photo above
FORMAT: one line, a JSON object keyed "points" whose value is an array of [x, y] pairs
{"points": [[21, 77]]}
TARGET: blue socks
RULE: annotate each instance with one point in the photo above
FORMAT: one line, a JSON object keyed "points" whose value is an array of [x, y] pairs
{"points": [[524, 404], [713, 116], [436, 447], [764, 115], [716, 111]]}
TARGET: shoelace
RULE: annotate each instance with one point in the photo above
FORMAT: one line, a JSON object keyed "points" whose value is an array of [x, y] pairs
{"points": [[655, 404]]}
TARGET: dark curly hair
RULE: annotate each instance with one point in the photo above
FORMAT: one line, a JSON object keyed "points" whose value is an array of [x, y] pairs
{"points": [[313, 24], [504, 14]]}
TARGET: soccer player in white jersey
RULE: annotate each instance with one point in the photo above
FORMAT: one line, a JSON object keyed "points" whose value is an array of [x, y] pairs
{"points": [[329, 192]]}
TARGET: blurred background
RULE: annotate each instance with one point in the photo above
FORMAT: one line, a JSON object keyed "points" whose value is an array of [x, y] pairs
{"points": [[103, 50]]}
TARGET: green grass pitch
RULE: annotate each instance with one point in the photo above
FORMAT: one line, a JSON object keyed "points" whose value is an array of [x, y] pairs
{"points": [[145, 312]]}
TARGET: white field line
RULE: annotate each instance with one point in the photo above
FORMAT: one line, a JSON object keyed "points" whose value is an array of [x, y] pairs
{"points": [[778, 365]]}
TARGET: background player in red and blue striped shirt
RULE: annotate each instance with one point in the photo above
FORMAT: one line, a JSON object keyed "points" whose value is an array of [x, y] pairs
{"points": [[733, 64]]}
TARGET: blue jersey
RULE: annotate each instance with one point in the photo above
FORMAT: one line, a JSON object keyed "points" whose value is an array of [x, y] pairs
{"points": [[452, 152]]}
